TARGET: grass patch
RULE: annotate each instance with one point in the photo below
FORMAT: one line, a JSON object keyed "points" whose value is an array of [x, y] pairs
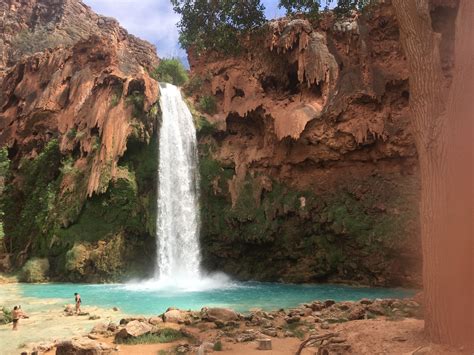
{"points": [[166, 335], [294, 328]]}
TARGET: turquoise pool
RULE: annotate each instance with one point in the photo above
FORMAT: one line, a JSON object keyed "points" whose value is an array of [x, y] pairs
{"points": [[242, 296]]}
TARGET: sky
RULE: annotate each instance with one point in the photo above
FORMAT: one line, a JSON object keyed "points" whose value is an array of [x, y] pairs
{"points": [[155, 21]]}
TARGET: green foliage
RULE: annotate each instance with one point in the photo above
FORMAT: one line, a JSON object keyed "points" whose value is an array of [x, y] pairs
{"points": [[310, 7], [208, 104], [204, 127], [4, 168], [217, 346], [313, 7], [35, 270], [7, 316], [71, 134], [171, 71], [30, 42], [194, 84], [28, 207], [216, 25], [137, 100], [166, 335]]}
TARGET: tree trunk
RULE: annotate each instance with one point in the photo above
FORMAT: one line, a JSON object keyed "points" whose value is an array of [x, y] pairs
{"points": [[442, 127]]}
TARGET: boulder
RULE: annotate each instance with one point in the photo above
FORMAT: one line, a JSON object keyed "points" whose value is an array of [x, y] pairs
{"points": [[357, 312], [329, 303], [155, 320], [69, 309], [134, 329], [100, 328], [174, 316], [220, 314], [83, 346]]}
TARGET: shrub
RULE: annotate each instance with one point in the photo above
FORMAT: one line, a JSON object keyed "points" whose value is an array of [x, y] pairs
{"points": [[193, 85], [171, 71], [5, 316], [217, 346], [35, 270], [137, 100], [208, 104]]}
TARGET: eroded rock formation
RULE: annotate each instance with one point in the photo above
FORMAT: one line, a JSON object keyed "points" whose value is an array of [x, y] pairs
{"points": [[309, 155], [75, 97]]}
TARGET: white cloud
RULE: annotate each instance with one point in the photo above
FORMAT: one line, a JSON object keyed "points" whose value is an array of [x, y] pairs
{"points": [[152, 20]]}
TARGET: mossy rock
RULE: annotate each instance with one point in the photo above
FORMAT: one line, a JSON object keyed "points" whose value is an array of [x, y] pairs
{"points": [[76, 258], [35, 270]]}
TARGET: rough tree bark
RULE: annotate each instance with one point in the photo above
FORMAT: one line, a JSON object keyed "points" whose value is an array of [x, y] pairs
{"points": [[443, 129]]}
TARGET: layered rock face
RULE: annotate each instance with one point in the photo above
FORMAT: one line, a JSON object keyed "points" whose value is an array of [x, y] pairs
{"points": [[308, 170], [30, 26], [78, 119]]}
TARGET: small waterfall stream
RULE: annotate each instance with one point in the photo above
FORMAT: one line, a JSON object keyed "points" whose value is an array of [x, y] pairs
{"points": [[177, 225]]}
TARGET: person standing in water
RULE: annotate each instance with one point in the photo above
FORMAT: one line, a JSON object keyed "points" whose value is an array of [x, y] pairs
{"points": [[16, 315], [77, 298]]}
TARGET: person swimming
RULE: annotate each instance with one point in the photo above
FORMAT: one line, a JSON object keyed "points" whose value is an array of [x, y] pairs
{"points": [[77, 298]]}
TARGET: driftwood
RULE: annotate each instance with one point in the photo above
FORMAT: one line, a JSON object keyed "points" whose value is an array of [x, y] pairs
{"points": [[315, 339]]}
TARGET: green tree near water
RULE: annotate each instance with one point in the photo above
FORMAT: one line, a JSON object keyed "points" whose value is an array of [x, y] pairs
{"points": [[215, 25]]}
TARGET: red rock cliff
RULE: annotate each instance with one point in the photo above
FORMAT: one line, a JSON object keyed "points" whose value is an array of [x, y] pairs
{"points": [[323, 111]]}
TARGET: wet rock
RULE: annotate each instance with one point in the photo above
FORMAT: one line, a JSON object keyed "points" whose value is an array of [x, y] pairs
{"points": [[221, 314], [115, 309], [317, 306], [83, 346], [94, 317], [134, 328]]}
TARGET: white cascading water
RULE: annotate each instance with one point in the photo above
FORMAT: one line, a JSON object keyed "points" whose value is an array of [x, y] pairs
{"points": [[177, 225]]}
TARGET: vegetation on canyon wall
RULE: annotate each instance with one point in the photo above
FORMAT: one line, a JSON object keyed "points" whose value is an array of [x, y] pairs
{"points": [[105, 238], [275, 232]]}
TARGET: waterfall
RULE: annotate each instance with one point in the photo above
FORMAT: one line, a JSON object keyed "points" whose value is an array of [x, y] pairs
{"points": [[177, 225]]}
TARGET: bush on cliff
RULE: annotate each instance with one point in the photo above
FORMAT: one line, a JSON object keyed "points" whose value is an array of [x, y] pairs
{"points": [[35, 270], [171, 71], [208, 104]]}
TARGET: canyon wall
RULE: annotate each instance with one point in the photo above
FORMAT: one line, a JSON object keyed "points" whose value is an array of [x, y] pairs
{"points": [[308, 170], [78, 114]]}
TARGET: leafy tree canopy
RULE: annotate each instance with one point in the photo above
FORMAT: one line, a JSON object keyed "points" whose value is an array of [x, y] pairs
{"points": [[313, 7], [215, 24]]}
